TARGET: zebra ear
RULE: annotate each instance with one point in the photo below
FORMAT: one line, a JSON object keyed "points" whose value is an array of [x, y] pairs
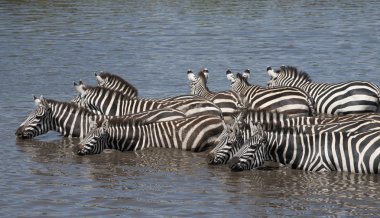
{"points": [[37, 101], [205, 72], [246, 73], [230, 76], [191, 76], [271, 72], [44, 102], [79, 88], [99, 79]]}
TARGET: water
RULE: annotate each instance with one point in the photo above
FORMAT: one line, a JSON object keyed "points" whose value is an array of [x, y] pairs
{"points": [[46, 45]]}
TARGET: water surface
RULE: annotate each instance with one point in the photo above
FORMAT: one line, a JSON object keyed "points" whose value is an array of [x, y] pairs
{"points": [[46, 45]]}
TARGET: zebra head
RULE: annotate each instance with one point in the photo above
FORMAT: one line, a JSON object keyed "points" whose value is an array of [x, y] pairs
{"points": [[38, 121], [252, 153], [96, 139], [228, 142], [238, 82]]}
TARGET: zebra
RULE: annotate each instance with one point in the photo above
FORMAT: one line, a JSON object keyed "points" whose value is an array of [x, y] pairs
{"points": [[341, 98], [288, 100], [195, 134], [109, 102], [357, 152], [227, 101], [73, 121], [231, 142], [115, 82]]}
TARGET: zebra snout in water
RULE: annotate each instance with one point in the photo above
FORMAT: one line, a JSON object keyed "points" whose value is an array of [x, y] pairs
{"points": [[22, 134], [235, 164], [81, 149]]}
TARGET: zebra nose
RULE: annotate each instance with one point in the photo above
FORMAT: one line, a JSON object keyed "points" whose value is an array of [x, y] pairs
{"points": [[235, 164], [211, 158], [20, 133]]}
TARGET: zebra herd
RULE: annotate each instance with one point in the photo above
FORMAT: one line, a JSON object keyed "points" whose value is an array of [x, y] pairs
{"points": [[294, 121]]}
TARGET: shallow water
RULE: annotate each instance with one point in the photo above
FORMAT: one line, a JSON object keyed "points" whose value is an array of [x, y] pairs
{"points": [[48, 45]]}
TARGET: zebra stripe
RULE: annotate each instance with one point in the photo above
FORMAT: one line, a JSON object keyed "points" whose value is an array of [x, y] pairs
{"points": [[341, 98], [357, 152], [227, 101], [115, 82], [190, 133], [229, 145], [105, 101], [288, 100], [73, 121]]}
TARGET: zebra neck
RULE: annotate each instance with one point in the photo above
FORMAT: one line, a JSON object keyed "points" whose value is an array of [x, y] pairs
{"points": [[71, 121]]}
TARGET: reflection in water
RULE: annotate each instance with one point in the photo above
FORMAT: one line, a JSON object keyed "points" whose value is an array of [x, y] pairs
{"points": [[153, 175]]}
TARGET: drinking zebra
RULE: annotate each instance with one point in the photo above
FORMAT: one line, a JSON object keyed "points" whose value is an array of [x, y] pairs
{"points": [[195, 133], [228, 146], [109, 102], [357, 152], [73, 121], [115, 82], [341, 98], [287, 100], [227, 101]]}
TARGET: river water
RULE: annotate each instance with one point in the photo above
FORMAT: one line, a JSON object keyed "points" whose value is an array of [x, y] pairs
{"points": [[46, 45]]}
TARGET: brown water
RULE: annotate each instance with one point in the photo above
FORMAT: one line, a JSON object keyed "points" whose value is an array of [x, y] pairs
{"points": [[46, 45]]}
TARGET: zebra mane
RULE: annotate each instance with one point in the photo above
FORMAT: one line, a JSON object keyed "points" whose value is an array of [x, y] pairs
{"points": [[111, 76], [103, 89], [294, 73]]}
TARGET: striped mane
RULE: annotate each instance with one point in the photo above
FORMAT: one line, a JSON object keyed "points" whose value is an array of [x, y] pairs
{"points": [[103, 90], [294, 73], [114, 77]]}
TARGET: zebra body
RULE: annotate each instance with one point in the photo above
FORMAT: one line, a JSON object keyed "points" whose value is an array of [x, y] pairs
{"points": [[109, 102], [115, 82], [357, 152], [73, 121], [287, 100], [231, 140], [227, 101], [190, 133], [341, 98]]}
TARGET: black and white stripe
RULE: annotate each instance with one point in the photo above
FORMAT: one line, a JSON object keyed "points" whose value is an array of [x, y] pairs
{"points": [[287, 100], [227, 101], [190, 133], [357, 152], [232, 140], [109, 102], [73, 121], [341, 98]]}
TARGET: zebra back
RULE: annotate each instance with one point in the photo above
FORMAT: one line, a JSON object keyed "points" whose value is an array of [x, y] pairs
{"points": [[356, 152], [115, 82], [340, 98], [191, 133], [288, 100]]}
